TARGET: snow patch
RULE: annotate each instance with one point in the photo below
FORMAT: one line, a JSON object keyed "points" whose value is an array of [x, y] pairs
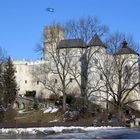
{"points": [[21, 111], [53, 121], [47, 110], [50, 110], [54, 110]]}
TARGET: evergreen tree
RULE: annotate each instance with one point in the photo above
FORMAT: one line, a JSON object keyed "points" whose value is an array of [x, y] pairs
{"points": [[1, 83], [10, 85]]}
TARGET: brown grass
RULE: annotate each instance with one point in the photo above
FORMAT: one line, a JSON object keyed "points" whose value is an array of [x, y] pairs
{"points": [[39, 116]]}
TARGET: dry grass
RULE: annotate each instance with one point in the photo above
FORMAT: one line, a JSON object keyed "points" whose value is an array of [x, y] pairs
{"points": [[39, 116], [10, 115]]}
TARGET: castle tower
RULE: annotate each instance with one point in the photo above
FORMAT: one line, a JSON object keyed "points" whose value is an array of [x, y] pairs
{"points": [[52, 36]]}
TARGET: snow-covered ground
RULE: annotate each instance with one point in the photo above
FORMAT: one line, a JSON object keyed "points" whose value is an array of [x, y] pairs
{"points": [[71, 132], [45, 110], [50, 110]]}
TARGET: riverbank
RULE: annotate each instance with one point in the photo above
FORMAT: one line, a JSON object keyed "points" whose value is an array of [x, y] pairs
{"points": [[43, 124]]}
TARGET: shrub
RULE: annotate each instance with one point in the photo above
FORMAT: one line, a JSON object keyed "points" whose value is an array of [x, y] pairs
{"points": [[78, 104], [1, 116], [70, 99], [53, 97], [10, 114], [71, 115], [2, 112], [36, 104], [93, 106]]}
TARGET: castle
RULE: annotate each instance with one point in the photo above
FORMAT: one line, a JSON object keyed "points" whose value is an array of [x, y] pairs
{"points": [[82, 66]]}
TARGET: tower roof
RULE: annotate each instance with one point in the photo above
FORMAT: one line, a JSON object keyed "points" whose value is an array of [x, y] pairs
{"points": [[71, 43], [125, 50], [96, 41]]}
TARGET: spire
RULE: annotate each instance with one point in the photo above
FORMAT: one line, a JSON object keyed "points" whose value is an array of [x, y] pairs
{"points": [[124, 44], [125, 49], [96, 41]]}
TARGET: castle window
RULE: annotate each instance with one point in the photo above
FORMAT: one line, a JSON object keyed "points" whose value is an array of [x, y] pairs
{"points": [[127, 72], [101, 77], [126, 68], [25, 81], [37, 82], [55, 80], [71, 79]]}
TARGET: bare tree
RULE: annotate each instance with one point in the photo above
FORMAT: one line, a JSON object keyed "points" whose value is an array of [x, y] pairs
{"points": [[64, 59], [114, 40], [55, 73], [120, 73], [85, 28]]}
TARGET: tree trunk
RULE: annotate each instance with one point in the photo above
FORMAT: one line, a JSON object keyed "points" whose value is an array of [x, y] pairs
{"points": [[120, 115], [64, 102]]}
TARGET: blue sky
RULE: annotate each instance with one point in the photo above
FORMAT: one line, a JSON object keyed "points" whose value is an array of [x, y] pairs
{"points": [[22, 21]]}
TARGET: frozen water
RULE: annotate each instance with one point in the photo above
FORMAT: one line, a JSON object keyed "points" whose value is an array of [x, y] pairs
{"points": [[71, 133]]}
